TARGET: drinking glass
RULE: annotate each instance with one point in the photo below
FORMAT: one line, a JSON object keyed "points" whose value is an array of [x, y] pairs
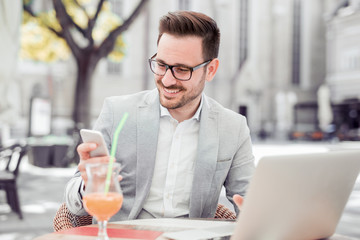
{"points": [[103, 196]]}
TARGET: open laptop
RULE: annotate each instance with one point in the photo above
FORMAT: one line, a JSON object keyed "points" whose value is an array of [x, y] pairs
{"points": [[293, 197], [297, 196]]}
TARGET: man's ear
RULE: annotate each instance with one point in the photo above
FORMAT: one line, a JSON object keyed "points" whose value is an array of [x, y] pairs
{"points": [[212, 68]]}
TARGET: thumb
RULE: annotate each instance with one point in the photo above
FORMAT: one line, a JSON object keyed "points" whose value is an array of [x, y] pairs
{"points": [[238, 200]]}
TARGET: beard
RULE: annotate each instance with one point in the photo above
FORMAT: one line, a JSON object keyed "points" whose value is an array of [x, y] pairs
{"points": [[186, 97]]}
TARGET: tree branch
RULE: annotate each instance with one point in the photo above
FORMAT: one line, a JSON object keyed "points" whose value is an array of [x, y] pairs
{"points": [[92, 21], [59, 34], [108, 44], [69, 19], [82, 8], [27, 8], [65, 23]]}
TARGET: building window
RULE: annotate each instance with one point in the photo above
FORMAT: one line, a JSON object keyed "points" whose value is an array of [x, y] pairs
{"points": [[184, 4], [296, 50], [243, 38], [117, 7], [113, 68]]}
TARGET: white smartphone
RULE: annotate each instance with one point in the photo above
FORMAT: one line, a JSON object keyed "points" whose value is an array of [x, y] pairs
{"points": [[92, 136]]}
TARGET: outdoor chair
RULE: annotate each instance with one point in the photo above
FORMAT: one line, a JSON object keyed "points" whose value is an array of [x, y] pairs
{"points": [[64, 219], [10, 158]]}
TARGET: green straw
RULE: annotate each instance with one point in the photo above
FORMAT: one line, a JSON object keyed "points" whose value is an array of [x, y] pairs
{"points": [[113, 151]]}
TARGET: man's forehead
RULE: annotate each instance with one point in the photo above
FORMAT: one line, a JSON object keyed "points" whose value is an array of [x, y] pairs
{"points": [[182, 50]]}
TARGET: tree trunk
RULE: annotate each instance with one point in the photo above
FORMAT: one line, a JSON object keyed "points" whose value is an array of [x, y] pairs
{"points": [[81, 116], [82, 111]]}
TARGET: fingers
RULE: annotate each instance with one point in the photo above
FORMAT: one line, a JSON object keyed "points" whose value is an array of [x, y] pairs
{"points": [[84, 177], [238, 200], [84, 150], [83, 162]]}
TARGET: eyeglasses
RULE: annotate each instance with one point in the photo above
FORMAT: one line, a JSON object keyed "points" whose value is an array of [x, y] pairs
{"points": [[182, 73]]}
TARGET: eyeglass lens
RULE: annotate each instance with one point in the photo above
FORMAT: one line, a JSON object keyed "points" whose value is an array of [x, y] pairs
{"points": [[181, 73]]}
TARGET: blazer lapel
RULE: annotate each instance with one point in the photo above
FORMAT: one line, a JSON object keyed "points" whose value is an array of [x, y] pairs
{"points": [[148, 115], [205, 164]]}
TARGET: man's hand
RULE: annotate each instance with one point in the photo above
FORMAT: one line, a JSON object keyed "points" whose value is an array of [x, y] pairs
{"points": [[238, 200], [84, 150]]}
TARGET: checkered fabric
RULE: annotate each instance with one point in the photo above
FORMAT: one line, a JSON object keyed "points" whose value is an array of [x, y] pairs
{"points": [[64, 219], [223, 212]]}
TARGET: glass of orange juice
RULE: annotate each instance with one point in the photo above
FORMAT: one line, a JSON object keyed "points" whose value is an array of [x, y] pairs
{"points": [[103, 196]]}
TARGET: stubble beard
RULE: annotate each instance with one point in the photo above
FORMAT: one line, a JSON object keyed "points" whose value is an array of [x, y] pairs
{"points": [[184, 100]]}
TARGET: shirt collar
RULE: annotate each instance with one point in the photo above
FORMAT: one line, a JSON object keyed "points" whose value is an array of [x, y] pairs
{"points": [[165, 112]]}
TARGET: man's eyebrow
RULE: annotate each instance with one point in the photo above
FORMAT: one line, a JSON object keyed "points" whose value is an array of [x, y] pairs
{"points": [[175, 65]]}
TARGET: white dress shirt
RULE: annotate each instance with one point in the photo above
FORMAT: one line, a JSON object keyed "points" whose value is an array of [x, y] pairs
{"points": [[171, 185]]}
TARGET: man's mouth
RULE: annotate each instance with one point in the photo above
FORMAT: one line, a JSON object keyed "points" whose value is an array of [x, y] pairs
{"points": [[171, 91]]}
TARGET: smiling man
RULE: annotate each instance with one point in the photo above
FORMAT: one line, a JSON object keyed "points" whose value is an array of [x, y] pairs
{"points": [[183, 56], [178, 146]]}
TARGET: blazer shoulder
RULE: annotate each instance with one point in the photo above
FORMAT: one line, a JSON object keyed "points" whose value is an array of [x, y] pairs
{"points": [[139, 97], [117, 105], [223, 112]]}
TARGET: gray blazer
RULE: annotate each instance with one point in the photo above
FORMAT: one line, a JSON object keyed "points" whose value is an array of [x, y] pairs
{"points": [[224, 155]]}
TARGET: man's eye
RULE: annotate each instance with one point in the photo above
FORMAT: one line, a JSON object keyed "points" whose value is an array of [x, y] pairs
{"points": [[181, 69]]}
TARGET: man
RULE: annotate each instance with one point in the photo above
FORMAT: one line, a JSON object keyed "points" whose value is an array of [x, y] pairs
{"points": [[178, 146]]}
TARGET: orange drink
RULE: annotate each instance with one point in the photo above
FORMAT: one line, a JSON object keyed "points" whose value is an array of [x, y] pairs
{"points": [[101, 205], [103, 196]]}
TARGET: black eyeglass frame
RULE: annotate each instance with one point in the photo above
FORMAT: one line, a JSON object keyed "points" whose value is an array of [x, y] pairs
{"points": [[172, 66]]}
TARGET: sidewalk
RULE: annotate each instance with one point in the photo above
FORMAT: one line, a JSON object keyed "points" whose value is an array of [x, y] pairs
{"points": [[41, 193]]}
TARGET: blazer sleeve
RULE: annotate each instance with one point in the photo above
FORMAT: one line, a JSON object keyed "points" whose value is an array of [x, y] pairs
{"points": [[73, 195], [74, 188], [242, 167]]}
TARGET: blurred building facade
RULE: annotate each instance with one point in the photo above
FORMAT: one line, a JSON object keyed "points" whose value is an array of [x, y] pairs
{"points": [[343, 67], [274, 56]]}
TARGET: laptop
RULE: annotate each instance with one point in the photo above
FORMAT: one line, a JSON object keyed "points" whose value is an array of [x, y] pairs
{"points": [[292, 197], [297, 197]]}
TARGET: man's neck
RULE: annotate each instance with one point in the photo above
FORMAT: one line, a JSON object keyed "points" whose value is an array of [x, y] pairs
{"points": [[185, 112]]}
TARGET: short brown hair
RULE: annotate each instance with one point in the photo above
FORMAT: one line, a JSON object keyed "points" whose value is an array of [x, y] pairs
{"points": [[185, 23]]}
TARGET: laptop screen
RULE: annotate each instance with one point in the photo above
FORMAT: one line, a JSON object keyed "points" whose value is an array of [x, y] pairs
{"points": [[298, 196]]}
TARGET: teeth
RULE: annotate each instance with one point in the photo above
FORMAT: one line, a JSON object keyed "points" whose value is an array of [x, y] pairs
{"points": [[171, 91]]}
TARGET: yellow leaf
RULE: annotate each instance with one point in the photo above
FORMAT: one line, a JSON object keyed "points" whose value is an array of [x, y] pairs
{"points": [[40, 44]]}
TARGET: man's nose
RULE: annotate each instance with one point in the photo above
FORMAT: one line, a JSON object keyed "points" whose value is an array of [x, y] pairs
{"points": [[168, 79]]}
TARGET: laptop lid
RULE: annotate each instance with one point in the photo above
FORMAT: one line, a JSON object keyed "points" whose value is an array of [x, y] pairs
{"points": [[297, 196]]}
